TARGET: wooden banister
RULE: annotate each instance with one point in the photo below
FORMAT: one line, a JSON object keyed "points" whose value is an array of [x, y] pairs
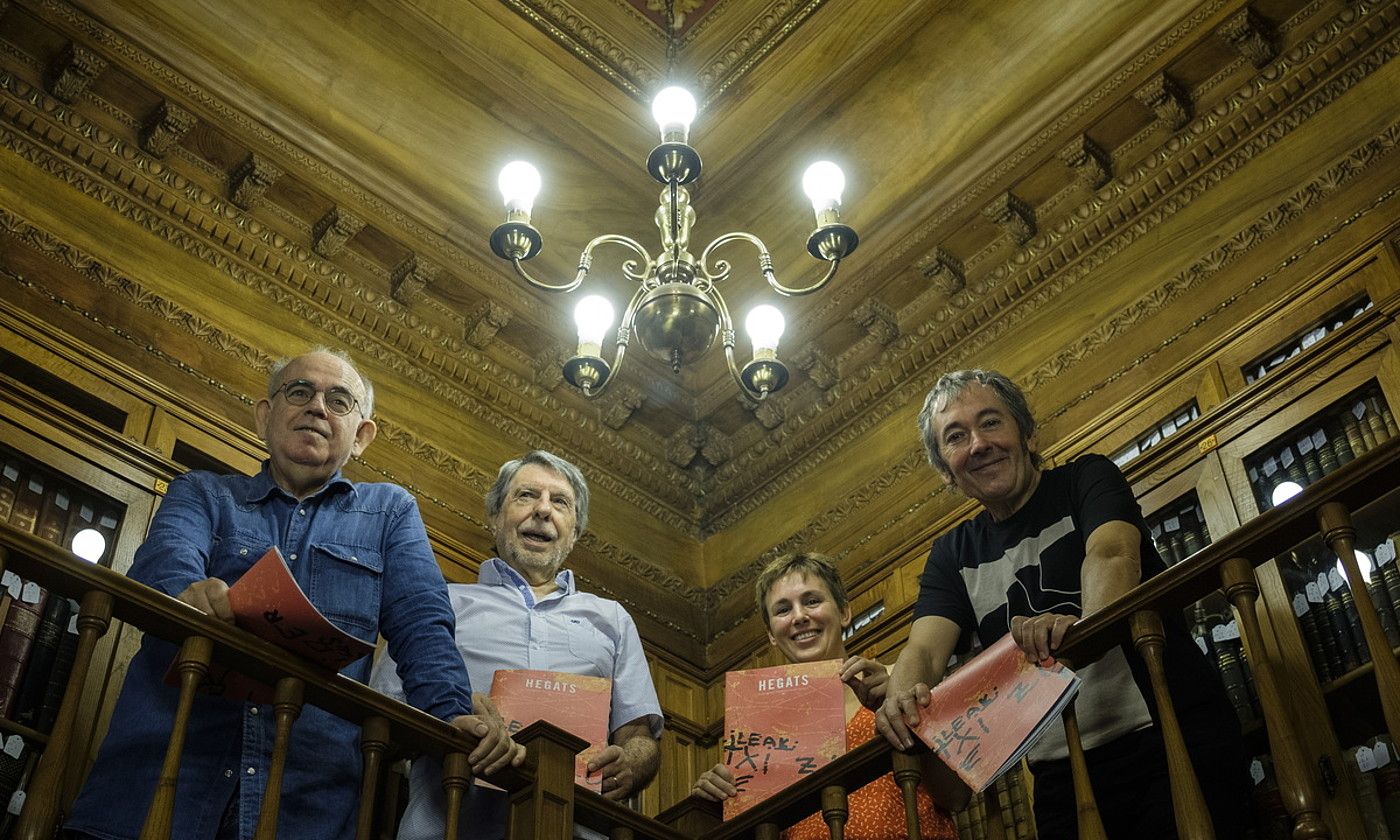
{"points": [[908, 772], [1090, 823], [456, 775], [374, 740], [286, 707], [1300, 796], [191, 665], [1188, 804], [835, 810]]}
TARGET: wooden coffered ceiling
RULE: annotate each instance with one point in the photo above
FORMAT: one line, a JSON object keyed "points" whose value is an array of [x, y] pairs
{"points": [[997, 153]]}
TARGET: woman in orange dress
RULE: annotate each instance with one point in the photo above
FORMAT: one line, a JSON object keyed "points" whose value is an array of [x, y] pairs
{"points": [[805, 607]]}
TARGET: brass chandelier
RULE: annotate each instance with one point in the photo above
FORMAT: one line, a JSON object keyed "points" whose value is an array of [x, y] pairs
{"points": [[677, 310]]}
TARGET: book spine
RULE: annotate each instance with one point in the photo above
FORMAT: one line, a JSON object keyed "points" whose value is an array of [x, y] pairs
{"points": [[1390, 575], [58, 674], [53, 516], [41, 659], [16, 642], [1311, 466], [1376, 426], [1388, 791], [1354, 436], [28, 499], [1386, 417], [1341, 632], [1316, 651], [1368, 801], [1342, 448], [1233, 678], [12, 761], [1384, 609], [1358, 636], [9, 489]]}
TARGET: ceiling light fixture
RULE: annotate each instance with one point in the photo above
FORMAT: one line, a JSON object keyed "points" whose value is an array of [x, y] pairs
{"points": [[677, 310]]}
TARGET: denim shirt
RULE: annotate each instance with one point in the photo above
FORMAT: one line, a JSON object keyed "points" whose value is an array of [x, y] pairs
{"points": [[361, 554]]}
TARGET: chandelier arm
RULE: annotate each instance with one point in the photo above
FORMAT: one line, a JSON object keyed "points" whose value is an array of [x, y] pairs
{"points": [[726, 327], [791, 292], [585, 262], [721, 270], [539, 284]]}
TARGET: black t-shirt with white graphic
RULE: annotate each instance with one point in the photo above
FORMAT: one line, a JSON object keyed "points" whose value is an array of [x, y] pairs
{"points": [[984, 572]]}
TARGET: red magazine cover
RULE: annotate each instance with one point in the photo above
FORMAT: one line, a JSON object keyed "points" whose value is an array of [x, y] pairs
{"points": [[781, 724], [573, 702], [985, 715], [267, 602]]}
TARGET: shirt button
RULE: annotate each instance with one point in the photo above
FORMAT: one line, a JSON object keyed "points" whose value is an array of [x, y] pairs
{"points": [[253, 710], [243, 552], [301, 512], [293, 557], [228, 774], [354, 559], [252, 771]]}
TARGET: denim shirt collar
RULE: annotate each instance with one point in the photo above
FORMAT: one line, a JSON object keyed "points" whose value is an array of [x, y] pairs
{"points": [[263, 486], [496, 572]]}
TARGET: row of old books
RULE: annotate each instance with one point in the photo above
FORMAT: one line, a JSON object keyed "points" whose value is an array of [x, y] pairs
{"points": [[1333, 439], [1325, 605], [38, 628], [1217, 634], [1371, 768], [1003, 810], [1179, 530]]}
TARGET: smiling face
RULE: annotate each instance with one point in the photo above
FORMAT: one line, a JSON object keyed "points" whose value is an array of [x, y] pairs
{"points": [[535, 526], [308, 443], [987, 460], [804, 622]]}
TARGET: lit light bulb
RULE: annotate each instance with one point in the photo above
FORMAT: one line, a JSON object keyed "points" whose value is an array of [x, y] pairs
{"points": [[519, 183], [823, 182], [765, 326], [89, 544], [593, 316], [1363, 562], [1284, 491], [674, 110]]}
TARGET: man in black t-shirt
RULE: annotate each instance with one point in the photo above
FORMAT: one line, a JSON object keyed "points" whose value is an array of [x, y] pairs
{"points": [[1051, 546]]}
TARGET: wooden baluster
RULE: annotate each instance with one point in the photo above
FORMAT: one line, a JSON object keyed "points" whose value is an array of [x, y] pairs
{"points": [[191, 665], [1090, 824], [456, 775], [908, 772], [286, 708], [621, 832], [766, 831], [398, 774], [1192, 818], [39, 818], [834, 810], [1295, 779], [545, 810], [1339, 533], [374, 740]]}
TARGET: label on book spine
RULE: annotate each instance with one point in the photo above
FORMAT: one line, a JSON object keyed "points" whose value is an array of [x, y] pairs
{"points": [[781, 724]]}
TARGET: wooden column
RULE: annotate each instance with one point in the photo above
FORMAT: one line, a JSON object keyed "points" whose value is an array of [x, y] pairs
{"points": [[456, 775], [908, 772], [1192, 817], [835, 810], [286, 707], [192, 664], [766, 831], [545, 809], [1339, 533], [39, 819], [1090, 824], [1295, 779], [374, 740]]}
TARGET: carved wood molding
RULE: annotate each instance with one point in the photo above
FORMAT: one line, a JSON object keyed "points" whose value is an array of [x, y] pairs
{"points": [[779, 20], [179, 211], [167, 124], [613, 60], [1314, 73]]}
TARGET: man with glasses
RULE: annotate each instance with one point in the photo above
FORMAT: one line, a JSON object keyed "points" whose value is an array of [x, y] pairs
{"points": [[358, 550]]}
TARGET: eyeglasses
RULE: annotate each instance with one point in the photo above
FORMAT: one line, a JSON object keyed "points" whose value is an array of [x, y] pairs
{"points": [[300, 392]]}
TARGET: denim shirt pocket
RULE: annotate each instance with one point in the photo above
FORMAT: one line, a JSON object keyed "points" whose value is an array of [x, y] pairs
{"points": [[346, 583]]}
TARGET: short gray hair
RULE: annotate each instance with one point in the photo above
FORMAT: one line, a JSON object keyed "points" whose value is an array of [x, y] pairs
{"points": [[496, 496], [947, 388], [274, 376]]}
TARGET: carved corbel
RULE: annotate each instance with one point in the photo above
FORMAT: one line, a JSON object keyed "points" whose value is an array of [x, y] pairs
{"points": [[72, 71], [1252, 34], [716, 449], [1090, 162], [409, 278], [622, 407], [1168, 99], [819, 367], [250, 179], [768, 412], [165, 127], [549, 367], [1013, 215], [684, 444], [944, 271], [876, 319], [485, 321], [333, 230]]}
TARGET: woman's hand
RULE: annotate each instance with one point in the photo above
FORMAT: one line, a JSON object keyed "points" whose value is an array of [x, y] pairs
{"points": [[715, 784]]}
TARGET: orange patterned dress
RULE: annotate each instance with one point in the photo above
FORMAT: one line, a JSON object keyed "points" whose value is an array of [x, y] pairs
{"points": [[877, 810]]}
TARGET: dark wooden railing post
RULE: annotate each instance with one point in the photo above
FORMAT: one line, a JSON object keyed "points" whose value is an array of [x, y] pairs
{"points": [[545, 810], [1090, 823], [908, 772], [456, 775], [192, 664], [39, 818], [1335, 520], [766, 831], [286, 707], [1188, 804], [835, 810], [1295, 779], [374, 740]]}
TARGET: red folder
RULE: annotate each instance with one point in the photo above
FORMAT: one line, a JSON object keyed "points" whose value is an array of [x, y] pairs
{"points": [[575, 703], [781, 724]]}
